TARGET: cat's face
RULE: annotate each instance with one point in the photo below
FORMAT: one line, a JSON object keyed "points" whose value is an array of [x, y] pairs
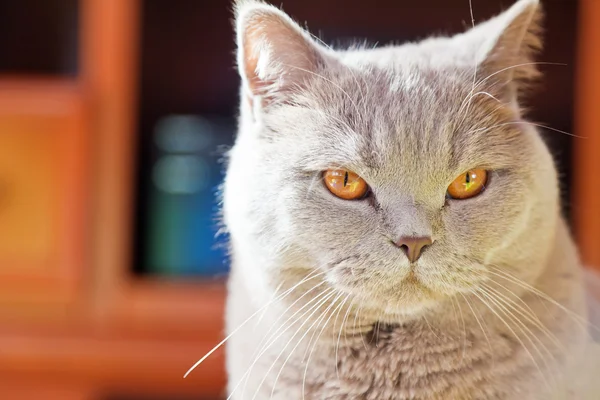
{"points": [[408, 121]]}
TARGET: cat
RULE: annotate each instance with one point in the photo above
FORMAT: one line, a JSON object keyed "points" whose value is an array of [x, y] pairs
{"points": [[394, 221]]}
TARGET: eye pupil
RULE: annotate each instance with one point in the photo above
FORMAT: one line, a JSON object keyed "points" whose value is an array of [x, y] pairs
{"points": [[468, 185], [345, 184]]}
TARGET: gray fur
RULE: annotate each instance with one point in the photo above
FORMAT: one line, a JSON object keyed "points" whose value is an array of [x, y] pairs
{"points": [[408, 119]]}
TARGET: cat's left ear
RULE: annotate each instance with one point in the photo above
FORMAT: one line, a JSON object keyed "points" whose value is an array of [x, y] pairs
{"points": [[275, 55], [508, 43]]}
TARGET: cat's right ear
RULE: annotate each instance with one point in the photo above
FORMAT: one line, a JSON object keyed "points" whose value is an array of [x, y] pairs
{"points": [[275, 56], [504, 48]]}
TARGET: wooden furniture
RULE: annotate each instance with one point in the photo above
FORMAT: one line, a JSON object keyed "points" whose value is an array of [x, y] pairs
{"points": [[586, 197], [74, 322]]}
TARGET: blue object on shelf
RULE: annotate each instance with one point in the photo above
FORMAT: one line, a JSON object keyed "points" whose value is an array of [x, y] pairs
{"points": [[182, 199]]}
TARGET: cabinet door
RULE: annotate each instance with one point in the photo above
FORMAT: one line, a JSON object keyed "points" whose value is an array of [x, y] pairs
{"points": [[42, 177]]}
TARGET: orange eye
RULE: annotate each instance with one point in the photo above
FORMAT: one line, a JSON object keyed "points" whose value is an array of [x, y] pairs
{"points": [[468, 185], [345, 184]]}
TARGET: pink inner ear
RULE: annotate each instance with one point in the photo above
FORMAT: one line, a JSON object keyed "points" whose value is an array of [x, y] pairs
{"points": [[253, 34], [289, 53]]}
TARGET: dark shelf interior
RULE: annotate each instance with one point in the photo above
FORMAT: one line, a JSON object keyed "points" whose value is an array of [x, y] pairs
{"points": [[187, 106], [39, 37]]}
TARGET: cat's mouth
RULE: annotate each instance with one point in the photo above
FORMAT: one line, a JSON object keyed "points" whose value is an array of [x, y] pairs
{"points": [[411, 279], [416, 288], [404, 295], [397, 301], [393, 292]]}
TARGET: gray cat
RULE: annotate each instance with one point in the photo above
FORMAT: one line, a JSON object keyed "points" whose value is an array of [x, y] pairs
{"points": [[395, 222]]}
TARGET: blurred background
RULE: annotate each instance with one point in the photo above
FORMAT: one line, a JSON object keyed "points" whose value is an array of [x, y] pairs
{"points": [[114, 115]]}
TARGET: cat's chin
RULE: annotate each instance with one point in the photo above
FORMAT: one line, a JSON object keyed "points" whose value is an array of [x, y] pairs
{"points": [[398, 314], [409, 300]]}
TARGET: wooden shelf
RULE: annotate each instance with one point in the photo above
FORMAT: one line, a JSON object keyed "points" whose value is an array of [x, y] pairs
{"points": [[175, 309], [160, 331], [74, 322], [586, 196], [111, 361], [43, 171]]}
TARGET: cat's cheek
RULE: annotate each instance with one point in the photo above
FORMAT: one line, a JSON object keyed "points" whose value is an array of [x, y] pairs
{"points": [[471, 226], [328, 229]]}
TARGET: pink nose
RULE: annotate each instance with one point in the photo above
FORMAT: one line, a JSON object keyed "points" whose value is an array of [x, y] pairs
{"points": [[413, 246]]}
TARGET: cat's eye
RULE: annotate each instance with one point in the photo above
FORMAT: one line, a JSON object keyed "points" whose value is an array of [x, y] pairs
{"points": [[345, 184], [468, 185]]}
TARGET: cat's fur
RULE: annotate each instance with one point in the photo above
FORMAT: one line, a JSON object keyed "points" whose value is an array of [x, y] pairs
{"points": [[457, 324]]}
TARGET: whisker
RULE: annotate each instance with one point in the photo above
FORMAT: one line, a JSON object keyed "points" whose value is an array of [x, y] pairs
{"points": [[555, 370], [221, 343], [475, 67], [281, 330], [318, 39], [337, 347], [525, 331], [329, 81], [266, 338], [464, 330], [358, 314], [273, 296], [515, 308], [361, 94], [471, 96], [430, 328], [314, 333], [576, 317], [339, 307], [350, 307], [517, 66], [378, 328], [475, 293], [529, 315], [488, 128], [314, 309], [480, 326], [318, 320], [455, 312]]}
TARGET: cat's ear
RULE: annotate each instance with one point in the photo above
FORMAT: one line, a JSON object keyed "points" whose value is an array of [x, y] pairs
{"points": [[275, 55], [508, 44]]}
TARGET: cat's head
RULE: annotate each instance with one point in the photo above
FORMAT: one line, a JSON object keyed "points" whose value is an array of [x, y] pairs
{"points": [[446, 181]]}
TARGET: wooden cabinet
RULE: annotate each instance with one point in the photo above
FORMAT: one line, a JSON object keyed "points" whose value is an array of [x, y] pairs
{"points": [[75, 322], [43, 177], [586, 195]]}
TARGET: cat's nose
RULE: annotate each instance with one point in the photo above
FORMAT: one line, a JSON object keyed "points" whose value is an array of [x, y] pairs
{"points": [[413, 246]]}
